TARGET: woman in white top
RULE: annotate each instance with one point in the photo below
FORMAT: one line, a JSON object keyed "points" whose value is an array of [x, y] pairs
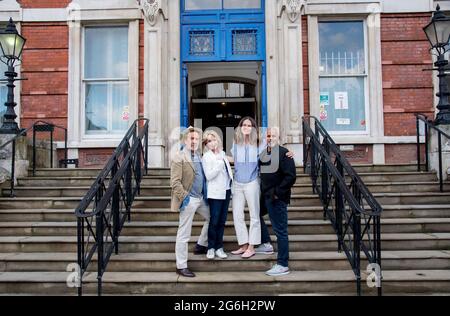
{"points": [[219, 177]]}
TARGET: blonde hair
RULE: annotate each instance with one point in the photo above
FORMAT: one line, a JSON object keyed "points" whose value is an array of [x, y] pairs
{"points": [[190, 130], [213, 134], [239, 137]]}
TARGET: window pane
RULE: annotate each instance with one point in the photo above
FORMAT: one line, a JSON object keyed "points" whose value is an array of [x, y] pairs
{"points": [[203, 4], [96, 108], [106, 52], [242, 4], [342, 48], [216, 90], [121, 110], [342, 104]]}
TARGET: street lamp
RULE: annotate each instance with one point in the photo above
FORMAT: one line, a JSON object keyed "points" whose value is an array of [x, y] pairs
{"points": [[438, 34], [11, 44]]}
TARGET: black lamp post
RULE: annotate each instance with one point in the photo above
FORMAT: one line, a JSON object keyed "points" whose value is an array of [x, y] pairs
{"points": [[438, 34], [11, 44]]}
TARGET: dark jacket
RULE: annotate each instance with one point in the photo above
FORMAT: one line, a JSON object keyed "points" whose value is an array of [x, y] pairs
{"points": [[278, 175]]}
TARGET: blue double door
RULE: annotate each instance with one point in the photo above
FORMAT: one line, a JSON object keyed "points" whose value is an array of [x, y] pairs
{"points": [[224, 35]]}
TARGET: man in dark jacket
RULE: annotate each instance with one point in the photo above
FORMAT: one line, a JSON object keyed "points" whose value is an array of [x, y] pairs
{"points": [[278, 175]]}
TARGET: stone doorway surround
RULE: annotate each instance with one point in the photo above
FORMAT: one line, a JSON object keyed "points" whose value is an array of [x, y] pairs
{"points": [[162, 74]]}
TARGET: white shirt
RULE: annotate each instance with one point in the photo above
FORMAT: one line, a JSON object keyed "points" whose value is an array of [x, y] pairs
{"points": [[218, 174]]}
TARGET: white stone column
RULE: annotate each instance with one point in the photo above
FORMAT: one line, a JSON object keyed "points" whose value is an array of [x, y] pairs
{"points": [[290, 75], [154, 66], [173, 79]]}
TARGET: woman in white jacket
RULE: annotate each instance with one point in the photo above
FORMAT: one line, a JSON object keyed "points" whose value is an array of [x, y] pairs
{"points": [[219, 177]]}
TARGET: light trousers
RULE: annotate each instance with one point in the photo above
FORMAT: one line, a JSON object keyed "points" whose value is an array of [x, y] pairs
{"points": [[185, 230], [241, 193]]}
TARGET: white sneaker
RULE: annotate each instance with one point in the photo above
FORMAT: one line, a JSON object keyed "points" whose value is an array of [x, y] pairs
{"points": [[265, 248], [278, 270], [221, 254], [210, 254]]}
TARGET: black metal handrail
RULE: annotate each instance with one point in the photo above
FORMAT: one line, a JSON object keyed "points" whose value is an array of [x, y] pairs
{"points": [[108, 202], [353, 211], [38, 126], [428, 126]]}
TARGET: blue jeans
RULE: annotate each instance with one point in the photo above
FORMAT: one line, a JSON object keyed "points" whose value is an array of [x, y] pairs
{"points": [[279, 218], [219, 211], [265, 236]]}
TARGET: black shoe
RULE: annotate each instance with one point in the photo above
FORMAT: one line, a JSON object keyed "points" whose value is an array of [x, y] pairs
{"points": [[200, 250], [186, 273]]}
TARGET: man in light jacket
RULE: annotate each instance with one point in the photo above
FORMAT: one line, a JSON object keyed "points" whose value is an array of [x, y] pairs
{"points": [[189, 195]]}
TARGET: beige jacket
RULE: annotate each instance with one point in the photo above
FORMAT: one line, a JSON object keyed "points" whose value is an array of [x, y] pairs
{"points": [[182, 174]]}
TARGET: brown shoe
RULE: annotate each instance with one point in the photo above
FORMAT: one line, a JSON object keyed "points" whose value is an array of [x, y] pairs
{"points": [[186, 273]]}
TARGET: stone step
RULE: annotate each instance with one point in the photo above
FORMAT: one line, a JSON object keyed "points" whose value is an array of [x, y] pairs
{"points": [[165, 262], [75, 191], [418, 241], [226, 283], [170, 228], [164, 180], [164, 201], [164, 214], [166, 171]]}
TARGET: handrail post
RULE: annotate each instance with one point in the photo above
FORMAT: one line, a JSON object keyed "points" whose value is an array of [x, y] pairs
{"points": [[339, 200], [304, 146], [146, 149], [128, 181], [427, 156], [115, 209], [441, 180], [51, 148], [34, 150], [13, 167], [418, 143], [65, 147], [100, 256], [80, 243], [357, 250], [325, 172], [378, 250]]}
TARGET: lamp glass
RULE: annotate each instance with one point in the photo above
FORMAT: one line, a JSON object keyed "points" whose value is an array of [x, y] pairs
{"points": [[11, 45]]}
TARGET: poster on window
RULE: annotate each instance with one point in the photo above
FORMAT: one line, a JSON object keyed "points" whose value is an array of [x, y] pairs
{"points": [[324, 103], [341, 100]]}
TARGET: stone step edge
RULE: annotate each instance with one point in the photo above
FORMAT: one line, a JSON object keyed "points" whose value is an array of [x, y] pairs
{"points": [[226, 277], [300, 185], [291, 208], [165, 256], [162, 224], [171, 239]]}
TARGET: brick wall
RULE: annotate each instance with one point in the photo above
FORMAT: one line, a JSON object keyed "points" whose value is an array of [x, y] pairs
{"points": [[45, 65], [44, 3], [407, 89]]}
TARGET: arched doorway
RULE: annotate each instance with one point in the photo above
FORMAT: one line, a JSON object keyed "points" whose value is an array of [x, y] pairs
{"points": [[221, 103]]}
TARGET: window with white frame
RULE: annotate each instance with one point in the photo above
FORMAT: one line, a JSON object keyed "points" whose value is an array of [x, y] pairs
{"points": [[343, 76], [191, 5], [106, 80]]}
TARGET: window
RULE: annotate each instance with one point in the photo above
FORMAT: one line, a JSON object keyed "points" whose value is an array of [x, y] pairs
{"points": [[223, 89], [191, 5], [106, 80], [343, 76]]}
